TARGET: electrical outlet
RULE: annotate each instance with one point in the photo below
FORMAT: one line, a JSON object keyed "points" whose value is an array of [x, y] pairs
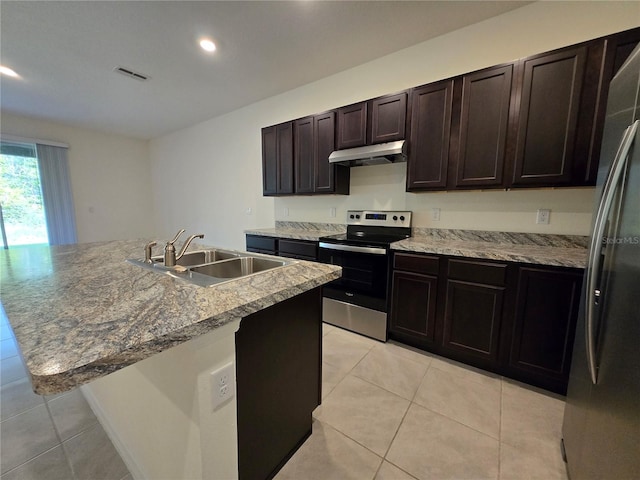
{"points": [[248, 211], [435, 214], [223, 385], [332, 212], [543, 216], [285, 211]]}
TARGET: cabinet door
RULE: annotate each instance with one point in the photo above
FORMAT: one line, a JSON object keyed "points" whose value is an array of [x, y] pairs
{"points": [[545, 321], [548, 116], [269, 161], [617, 49], [352, 126], [258, 243], [429, 137], [483, 126], [413, 305], [303, 155], [473, 314], [302, 249], [324, 143], [388, 118], [284, 138]]}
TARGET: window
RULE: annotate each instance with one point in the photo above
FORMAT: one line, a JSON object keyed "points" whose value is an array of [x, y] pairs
{"points": [[22, 218], [35, 194]]}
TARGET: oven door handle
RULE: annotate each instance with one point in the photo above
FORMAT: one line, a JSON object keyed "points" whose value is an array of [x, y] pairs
{"points": [[353, 248]]}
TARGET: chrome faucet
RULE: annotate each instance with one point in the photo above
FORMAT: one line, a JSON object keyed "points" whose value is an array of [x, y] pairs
{"points": [[170, 257]]}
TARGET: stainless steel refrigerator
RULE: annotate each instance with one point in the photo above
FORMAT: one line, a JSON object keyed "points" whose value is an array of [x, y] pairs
{"points": [[601, 429]]}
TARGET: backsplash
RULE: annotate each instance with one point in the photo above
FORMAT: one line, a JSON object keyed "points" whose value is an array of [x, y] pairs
{"points": [[515, 238], [311, 226]]}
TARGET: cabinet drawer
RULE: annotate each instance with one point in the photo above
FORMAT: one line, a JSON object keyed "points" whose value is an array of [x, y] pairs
{"points": [[262, 243], [416, 263], [478, 272], [298, 249]]}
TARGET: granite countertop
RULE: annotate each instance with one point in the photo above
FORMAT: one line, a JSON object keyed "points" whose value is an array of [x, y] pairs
{"points": [[80, 312], [299, 230], [539, 249], [553, 250]]}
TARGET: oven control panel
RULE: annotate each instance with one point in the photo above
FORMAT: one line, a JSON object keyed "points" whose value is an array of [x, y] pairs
{"points": [[382, 218]]}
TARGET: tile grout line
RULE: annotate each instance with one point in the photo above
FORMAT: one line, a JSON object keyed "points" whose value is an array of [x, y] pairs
{"points": [[60, 442], [31, 459]]}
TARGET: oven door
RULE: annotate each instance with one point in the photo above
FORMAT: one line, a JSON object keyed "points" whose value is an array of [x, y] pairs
{"points": [[364, 274]]}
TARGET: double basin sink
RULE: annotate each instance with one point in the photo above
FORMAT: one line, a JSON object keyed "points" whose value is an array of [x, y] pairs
{"points": [[213, 266]]}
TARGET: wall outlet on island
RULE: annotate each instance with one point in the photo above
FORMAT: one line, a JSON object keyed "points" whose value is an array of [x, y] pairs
{"points": [[332, 212], [285, 211], [223, 385], [543, 216], [435, 214]]}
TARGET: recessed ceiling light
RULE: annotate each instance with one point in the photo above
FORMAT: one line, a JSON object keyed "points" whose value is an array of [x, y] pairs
{"points": [[7, 71], [207, 45]]}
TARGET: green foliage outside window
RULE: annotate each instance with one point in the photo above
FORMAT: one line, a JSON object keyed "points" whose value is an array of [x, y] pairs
{"points": [[21, 199]]}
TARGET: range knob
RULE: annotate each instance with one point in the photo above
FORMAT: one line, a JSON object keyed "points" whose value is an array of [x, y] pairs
{"points": [[395, 218], [358, 217], [402, 218], [351, 216]]}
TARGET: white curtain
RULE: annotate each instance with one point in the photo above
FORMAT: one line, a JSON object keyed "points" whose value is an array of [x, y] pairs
{"points": [[56, 194]]}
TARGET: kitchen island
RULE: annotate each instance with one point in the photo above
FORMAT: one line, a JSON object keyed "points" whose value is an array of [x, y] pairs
{"points": [[81, 314]]}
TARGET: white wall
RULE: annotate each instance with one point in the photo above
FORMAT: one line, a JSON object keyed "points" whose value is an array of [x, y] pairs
{"points": [[110, 178], [168, 428], [206, 176]]}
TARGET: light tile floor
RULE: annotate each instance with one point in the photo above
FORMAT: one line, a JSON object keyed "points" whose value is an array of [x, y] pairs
{"points": [[390, 412], [54, 437]]}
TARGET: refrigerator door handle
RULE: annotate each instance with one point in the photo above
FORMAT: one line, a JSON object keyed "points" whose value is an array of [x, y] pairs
{"points": [[593, 294]]}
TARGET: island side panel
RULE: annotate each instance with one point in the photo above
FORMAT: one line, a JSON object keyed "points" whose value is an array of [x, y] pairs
{"points": [[278, 369], [159, 413]]}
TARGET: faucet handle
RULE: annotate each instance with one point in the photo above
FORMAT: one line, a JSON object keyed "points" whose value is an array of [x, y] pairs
{"points": [[175, 239], [148, 248]]}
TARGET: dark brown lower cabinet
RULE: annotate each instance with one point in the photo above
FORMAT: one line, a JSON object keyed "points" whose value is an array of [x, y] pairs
{"points": [[260, 244], [413, 298], [473, 314], [512, 319], [413, 313], [278, 374], [300, 249], [544, 325]]}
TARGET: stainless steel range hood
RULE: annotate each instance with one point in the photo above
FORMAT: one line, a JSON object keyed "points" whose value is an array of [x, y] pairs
{"points": [[370, 155]]}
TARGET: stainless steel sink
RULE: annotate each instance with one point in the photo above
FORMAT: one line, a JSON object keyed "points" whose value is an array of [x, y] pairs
{"points": [[199, 257], [214, 266], [238, 267]]}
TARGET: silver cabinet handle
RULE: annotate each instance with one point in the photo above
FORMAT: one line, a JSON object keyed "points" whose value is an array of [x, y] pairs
{"points": [[352, 248], [593, 294]]}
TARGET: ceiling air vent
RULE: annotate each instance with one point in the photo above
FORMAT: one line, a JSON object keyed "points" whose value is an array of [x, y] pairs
{"points": [[130, 73]]}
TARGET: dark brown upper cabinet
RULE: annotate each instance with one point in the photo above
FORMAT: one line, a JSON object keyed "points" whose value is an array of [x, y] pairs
{"points": [[429, 136], [613, 53], [380, 120], [304, 155], [314, 140], [328, 178], [482, 106], [352, 126], [388, 118], [551, 90], [277, 159]]}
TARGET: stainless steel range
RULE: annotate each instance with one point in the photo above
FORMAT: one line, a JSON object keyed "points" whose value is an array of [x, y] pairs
{"points": [[358, 300]]}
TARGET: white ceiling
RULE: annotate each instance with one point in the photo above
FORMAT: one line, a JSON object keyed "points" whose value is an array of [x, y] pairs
{"points": [[65, 53]]}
